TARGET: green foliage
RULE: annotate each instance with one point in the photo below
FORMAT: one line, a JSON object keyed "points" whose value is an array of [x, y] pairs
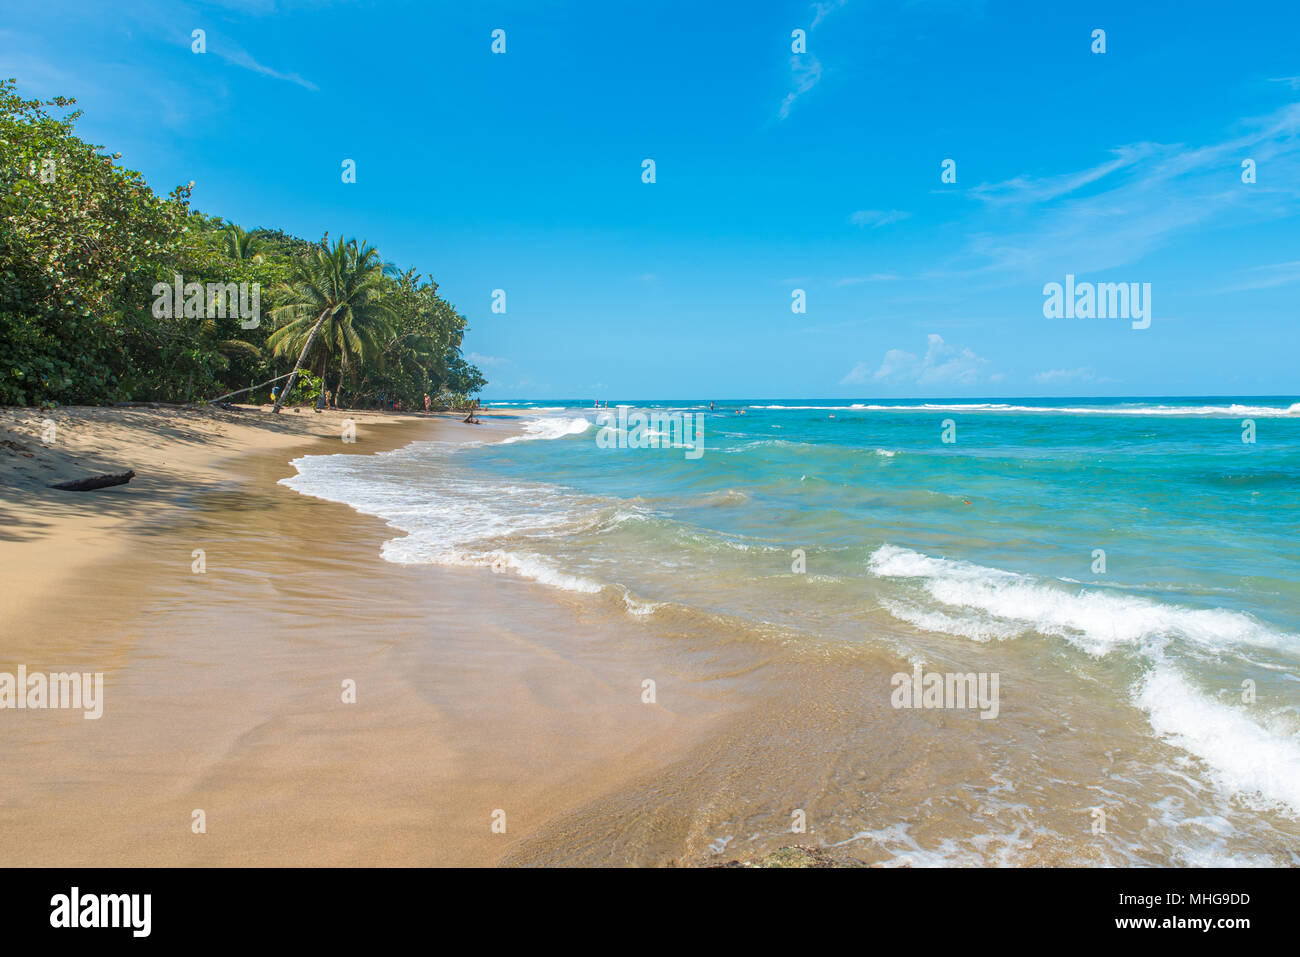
{"points": [[306, 390], [336, 304], [83, 242], [424, 340]]}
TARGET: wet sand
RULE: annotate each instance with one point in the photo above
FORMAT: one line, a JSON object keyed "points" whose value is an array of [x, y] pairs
{"points": [[475, 693]]}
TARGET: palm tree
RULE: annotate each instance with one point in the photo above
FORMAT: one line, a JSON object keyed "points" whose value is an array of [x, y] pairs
{"points": [[337, 295], [240, 245]]}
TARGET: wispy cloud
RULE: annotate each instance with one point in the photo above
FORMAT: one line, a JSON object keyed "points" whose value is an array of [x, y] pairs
{"points": [[805, 72], [240, 57], [1266, 277], [806, 69], [1024, 189], [874, 277], [1150, 194], [824, 9], [1291, 81], [482, 360], [174, 21], [875, 218], [941, 364], [1082, 374]]}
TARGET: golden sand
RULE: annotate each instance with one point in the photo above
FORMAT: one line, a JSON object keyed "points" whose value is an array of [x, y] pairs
{"points": [[475, 693], [478, 697]]}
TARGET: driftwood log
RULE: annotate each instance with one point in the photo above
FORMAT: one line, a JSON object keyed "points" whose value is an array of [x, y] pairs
{"points": [[90, 484]]}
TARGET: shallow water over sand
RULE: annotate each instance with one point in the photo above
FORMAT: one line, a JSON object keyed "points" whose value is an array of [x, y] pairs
{"points": [[833, 548]]}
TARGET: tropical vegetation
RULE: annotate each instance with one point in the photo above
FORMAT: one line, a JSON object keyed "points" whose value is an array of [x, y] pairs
{"points": [[88, 250]]}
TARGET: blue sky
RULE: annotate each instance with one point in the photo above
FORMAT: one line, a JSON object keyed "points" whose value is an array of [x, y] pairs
{"points": [[820, 171]]}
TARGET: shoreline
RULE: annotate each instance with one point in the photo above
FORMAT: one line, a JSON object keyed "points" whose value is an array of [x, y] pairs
{"points": [[478, 693], [222, 687], [176, 454]]}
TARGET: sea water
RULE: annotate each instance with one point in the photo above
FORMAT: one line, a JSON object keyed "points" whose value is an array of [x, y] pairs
{"points": [[1141, 553]]}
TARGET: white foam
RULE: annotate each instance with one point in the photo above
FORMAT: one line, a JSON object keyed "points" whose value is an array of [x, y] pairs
{"points": [[1093, 620], [550, 427], [1257, 764], [770, 443], [532, 567], [991, 849], [640, 608], [980, 628]]}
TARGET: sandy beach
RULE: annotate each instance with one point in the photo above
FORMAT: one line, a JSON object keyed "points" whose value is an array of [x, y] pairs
{"points": [[224, 688], [276, 691], [476, 693]]}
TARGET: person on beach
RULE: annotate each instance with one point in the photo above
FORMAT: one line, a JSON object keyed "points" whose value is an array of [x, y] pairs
{"points": [[426, 403], [275, 390]]}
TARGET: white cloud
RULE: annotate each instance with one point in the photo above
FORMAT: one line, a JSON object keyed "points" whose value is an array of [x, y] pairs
{"points": [[1024, 189], [1266, 277], [1146, 195], [805, 71], [1065, 375], [896, 363], [874, 277], [941, 364], [875, 218], [242, 58], [857, 374], [822, 10]]}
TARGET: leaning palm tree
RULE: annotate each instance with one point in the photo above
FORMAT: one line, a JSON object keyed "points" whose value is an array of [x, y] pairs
{"points": [[335, 303]]}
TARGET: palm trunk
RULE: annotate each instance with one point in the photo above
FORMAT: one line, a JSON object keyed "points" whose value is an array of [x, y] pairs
{"points": [[293, 376], [338, 388]]}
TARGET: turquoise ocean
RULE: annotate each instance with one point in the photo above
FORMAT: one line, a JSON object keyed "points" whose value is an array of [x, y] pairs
{"points": [[1140, 555]]}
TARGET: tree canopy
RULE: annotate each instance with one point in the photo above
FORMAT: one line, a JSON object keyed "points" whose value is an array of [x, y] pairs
{"points": [[86, 249]]}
